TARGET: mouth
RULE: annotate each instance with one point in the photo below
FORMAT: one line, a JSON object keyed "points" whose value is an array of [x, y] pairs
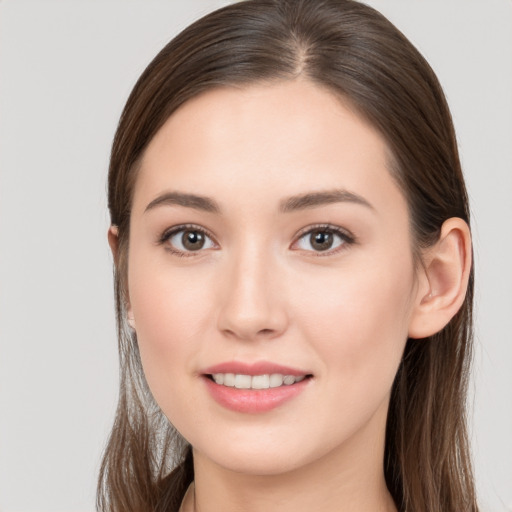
{"points": [[264, 381], [254, 388]]}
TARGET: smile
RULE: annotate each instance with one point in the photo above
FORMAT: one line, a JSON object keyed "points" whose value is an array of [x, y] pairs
{"points": [[266, 381]]}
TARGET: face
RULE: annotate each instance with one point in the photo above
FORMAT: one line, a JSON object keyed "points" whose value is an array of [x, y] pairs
{"points": [[270, 252]]}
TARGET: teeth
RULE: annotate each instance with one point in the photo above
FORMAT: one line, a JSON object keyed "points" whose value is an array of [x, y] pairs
{"points": [[218, 378], [260, 382], [241, 381], [276, 380], [229, 379], [288, 380]]}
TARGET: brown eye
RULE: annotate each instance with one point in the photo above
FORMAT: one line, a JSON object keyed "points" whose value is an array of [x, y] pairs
{"points": [[186, 240], [323, 239], [192, 240]]}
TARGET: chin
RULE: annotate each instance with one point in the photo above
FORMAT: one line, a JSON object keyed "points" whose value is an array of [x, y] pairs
{"points": [[258, 463], [271, 456]]}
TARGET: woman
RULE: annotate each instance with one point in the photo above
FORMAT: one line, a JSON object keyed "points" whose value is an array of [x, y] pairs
{"points": [[293, 273]]}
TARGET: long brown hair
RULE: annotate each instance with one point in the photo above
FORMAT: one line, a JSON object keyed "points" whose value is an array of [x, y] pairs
{"points": [[351, 49]]}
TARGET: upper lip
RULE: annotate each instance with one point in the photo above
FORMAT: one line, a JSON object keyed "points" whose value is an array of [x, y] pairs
{"points": [[256, 368]]}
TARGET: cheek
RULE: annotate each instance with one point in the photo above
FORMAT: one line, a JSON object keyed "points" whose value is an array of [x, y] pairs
{"points": [[169, 326], [357, 322], [359, 318], [171, 312]]}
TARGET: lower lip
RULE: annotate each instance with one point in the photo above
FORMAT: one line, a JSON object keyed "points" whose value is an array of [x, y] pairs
{"points": [[253, 400]]}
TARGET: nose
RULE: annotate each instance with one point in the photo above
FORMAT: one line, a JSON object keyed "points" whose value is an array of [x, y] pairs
{"points": [[252, 304]]}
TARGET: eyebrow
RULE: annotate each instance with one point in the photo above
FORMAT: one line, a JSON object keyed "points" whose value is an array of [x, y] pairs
{"points": [[314, 199], [187, 200], [291, 204]]}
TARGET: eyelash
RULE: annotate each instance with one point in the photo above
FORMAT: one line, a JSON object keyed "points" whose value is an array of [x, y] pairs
{"points": [[169, 233], [346, 237]]}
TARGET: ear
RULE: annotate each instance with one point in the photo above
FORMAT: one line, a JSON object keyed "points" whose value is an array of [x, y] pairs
{"points": [[443, 280], [113, 242]]}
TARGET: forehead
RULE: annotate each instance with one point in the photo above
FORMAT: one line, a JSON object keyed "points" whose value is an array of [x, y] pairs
{"points": [[284, 137]]}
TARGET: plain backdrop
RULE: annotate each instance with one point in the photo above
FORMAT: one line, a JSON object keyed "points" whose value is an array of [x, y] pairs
{"points": [[66, 69]]}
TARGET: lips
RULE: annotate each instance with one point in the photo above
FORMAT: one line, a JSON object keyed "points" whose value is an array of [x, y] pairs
{"points": [[256, 387], [257, 368]]}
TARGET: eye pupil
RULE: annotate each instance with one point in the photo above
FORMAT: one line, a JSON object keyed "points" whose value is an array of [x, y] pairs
{"points": [[321, 240], [193, 240]]}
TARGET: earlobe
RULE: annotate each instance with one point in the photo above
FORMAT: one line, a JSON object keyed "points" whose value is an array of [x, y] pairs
{"points": [[129, 317], [443, 280]]}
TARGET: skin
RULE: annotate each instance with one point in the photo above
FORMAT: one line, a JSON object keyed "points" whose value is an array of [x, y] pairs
{"points": [[259, 290]]}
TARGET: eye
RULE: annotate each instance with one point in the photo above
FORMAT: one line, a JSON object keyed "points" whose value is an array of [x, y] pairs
{"points": [[323, 239], [187, 239]]}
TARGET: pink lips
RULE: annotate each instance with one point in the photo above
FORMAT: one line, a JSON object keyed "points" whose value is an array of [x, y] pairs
{"points": [[253, 400], [259, 368]]}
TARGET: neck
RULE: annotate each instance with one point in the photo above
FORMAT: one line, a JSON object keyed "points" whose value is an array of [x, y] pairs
{"points": [[348, 478]]}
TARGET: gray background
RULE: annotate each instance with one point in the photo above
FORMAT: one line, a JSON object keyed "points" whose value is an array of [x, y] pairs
{"points": [[66, 69]]}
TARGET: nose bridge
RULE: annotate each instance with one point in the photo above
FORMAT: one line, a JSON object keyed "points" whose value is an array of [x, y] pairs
{"points": [[252, 304]]}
